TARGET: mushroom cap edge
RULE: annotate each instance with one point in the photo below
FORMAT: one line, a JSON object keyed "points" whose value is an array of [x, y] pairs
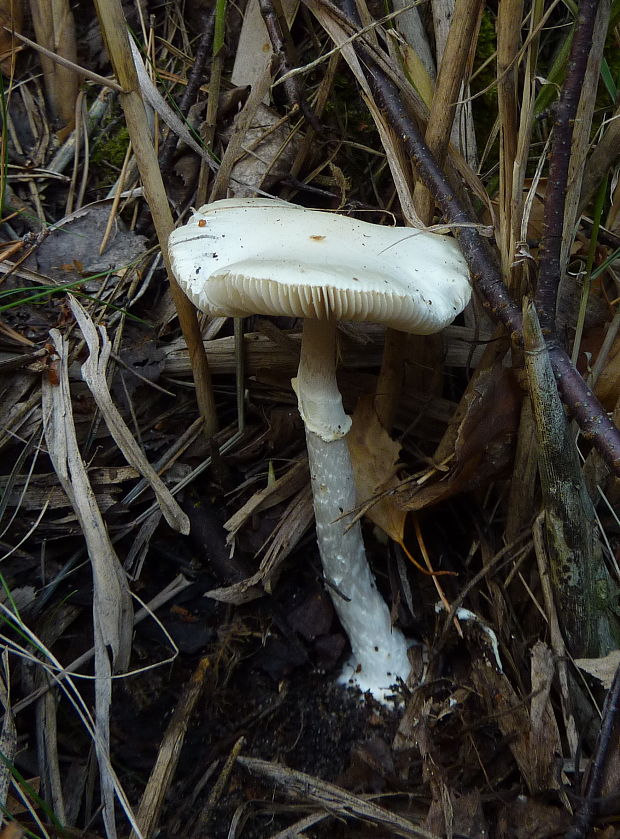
{"points": [[239, 257]]}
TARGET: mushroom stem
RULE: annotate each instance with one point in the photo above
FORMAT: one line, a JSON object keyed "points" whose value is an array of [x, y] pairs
{"points": [[379, 650]]}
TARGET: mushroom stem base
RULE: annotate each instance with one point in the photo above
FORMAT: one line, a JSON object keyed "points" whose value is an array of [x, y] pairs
{"points": [[379, 650]]}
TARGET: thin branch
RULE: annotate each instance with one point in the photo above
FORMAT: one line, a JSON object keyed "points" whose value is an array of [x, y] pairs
{"points": [[281, 44], [557, 184], [194, 80], [584, 818], [59, 59]]}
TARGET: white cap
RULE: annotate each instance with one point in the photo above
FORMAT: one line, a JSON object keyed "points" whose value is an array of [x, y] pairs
{"points": [[240, 257]]}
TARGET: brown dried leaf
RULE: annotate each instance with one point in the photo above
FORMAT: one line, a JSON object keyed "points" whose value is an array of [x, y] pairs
{"points": [[510, 712], [545, 746], [603, 669], [375, 462], [71, 248], [265, 151], [457, 814]]}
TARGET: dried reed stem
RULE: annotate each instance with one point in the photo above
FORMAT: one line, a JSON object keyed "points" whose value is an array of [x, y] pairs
{"points": [[114, 29]]}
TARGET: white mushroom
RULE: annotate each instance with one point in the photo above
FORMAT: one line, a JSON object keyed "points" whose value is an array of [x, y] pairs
{"points": [[260, 256]]}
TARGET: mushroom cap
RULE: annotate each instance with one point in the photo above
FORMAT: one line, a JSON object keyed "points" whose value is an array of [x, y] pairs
{"points": [[239, 257]]}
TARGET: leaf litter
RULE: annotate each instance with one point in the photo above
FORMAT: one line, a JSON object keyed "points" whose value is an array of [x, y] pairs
{"points": [[157, 680]]}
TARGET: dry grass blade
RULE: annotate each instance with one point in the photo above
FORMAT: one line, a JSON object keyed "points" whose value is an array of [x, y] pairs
{"points": [[508, 42], [159, 104], [274, 493], [94, 374], [582, 128], [47, 721], [112, 610], [55, 30], [158, 785], [399, 165], [112, 603], [8, 735], [463, 32], [55, 58], [335, 799]]}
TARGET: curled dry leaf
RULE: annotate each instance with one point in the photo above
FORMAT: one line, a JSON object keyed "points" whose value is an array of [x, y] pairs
{"points": [[375, 459], [112, 607]]}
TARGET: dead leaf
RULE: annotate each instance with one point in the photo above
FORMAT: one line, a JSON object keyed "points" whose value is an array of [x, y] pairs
{"points": [[375, 459], [457, 814], [72, 247], [112, 608], [603, 669], [509, 710], [254, 43], [545, 746], [266, 152]]}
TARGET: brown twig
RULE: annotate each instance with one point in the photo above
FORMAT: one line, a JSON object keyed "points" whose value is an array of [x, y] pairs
{"points": [[279, 36], [555, 194], [575, 394], [194, 80], [65, 62]]}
